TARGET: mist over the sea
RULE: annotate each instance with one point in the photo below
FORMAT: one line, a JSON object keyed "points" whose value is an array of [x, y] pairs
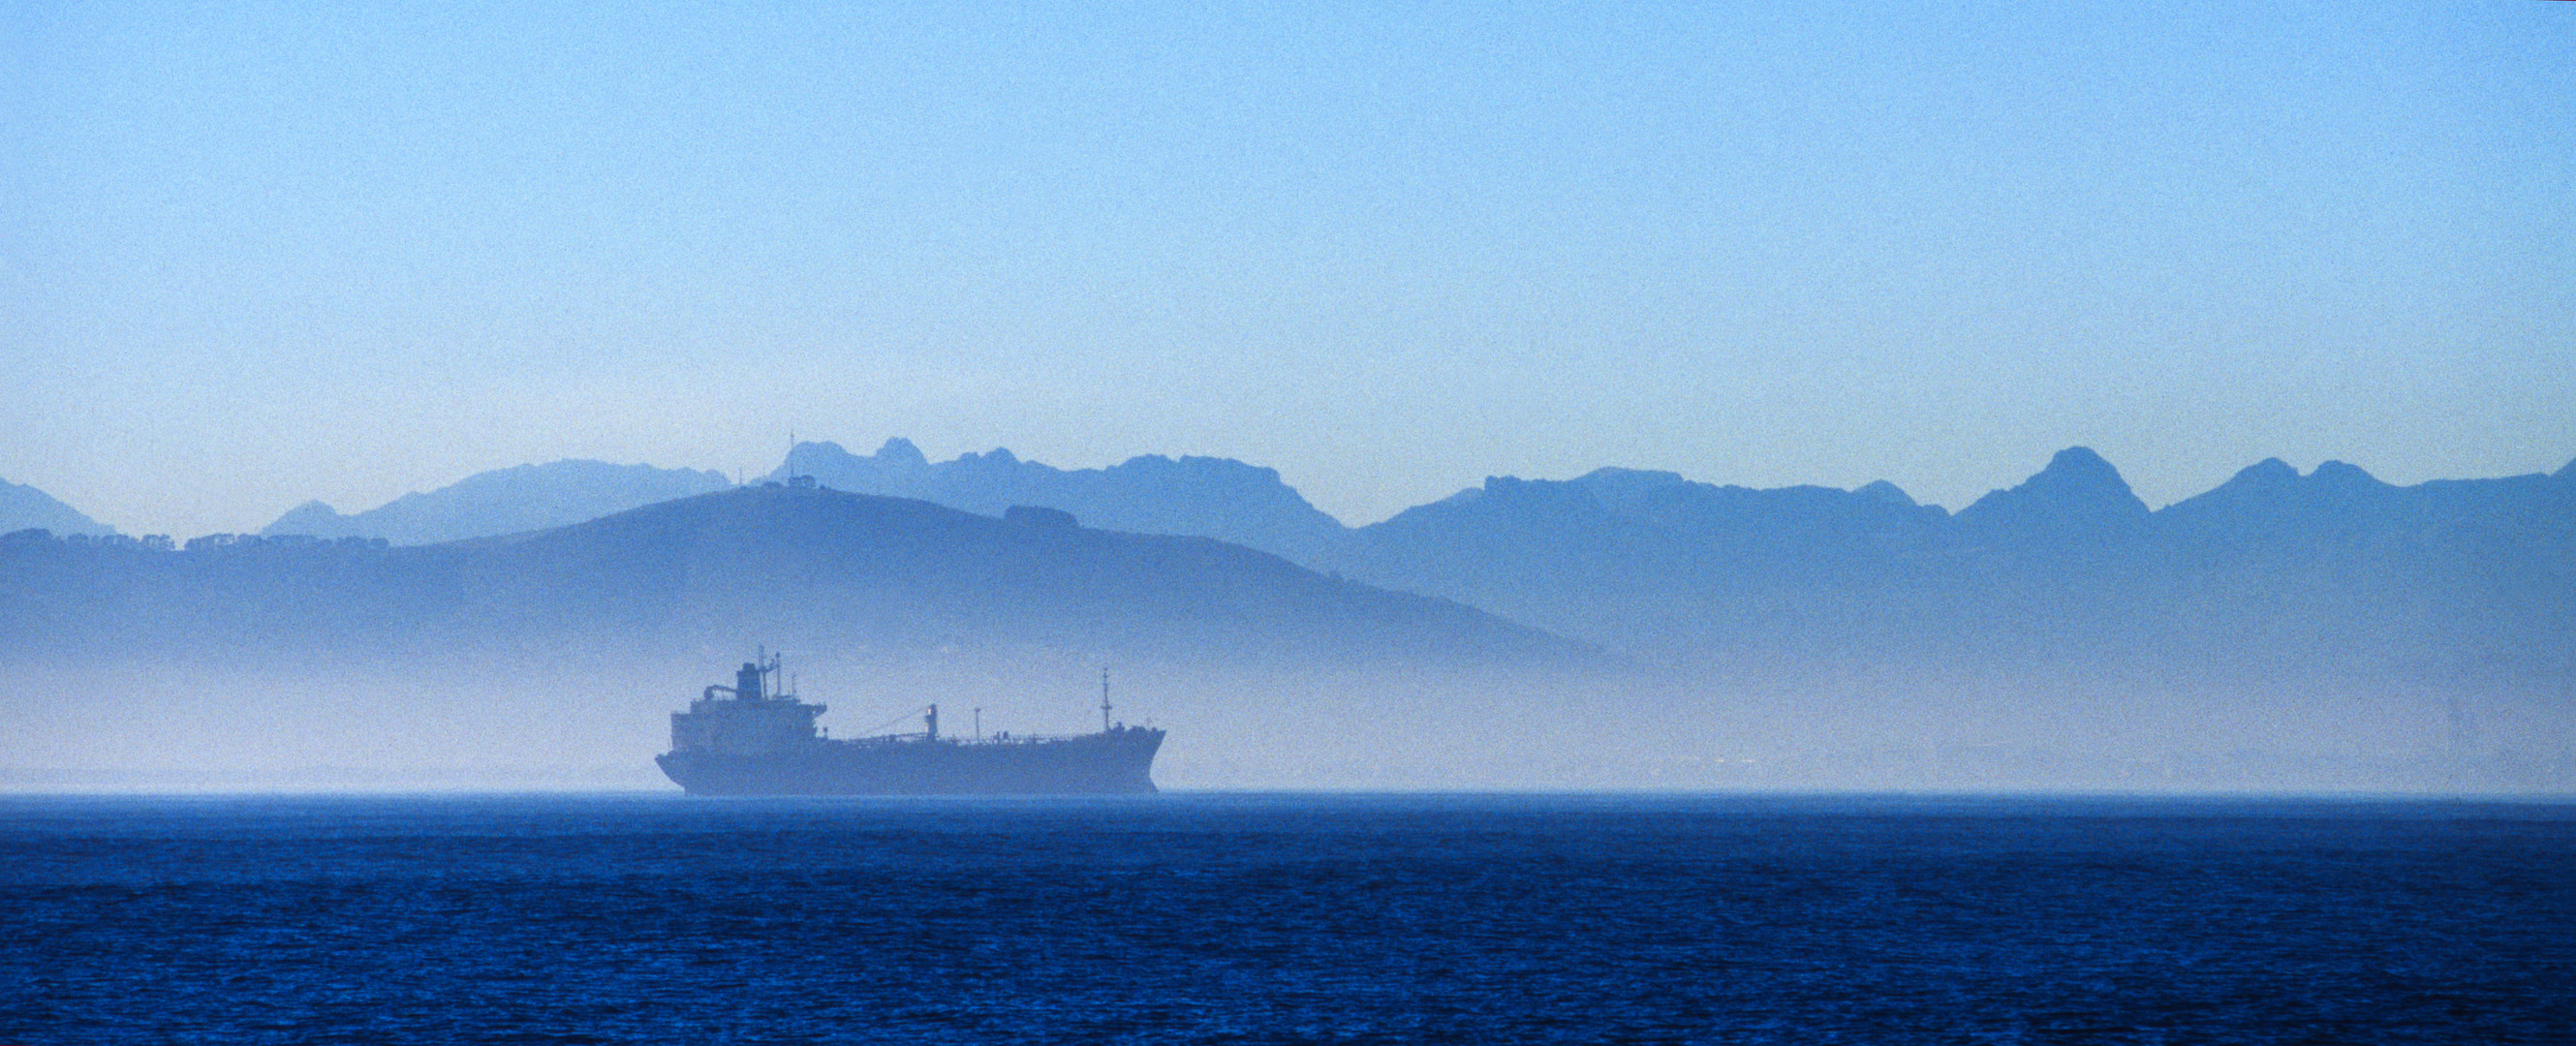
{"points": [[1624, 630]]}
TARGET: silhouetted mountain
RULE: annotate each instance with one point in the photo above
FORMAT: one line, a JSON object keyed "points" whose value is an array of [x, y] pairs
{"points": [[813, 569], [1196, 497], [1647, 561], [2436, 580], [24, 507], [1885, 491], [2272, 576], [2269, 511], [2079, 502], [2274, 573], [503, 501], [2268, 508]]}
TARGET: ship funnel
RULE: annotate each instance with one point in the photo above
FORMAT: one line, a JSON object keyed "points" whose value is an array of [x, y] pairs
{"points": [[746, 682]]}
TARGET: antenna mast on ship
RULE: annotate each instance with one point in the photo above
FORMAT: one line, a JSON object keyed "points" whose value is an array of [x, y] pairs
{"points": [[1104, 700]]}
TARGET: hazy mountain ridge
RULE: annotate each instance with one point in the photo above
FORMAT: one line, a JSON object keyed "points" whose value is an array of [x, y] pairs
{"points": [[1216, 498], [1626, 558], [803, 567], [2329, 573], [503, 501], [23, 508], [2334, 568]]}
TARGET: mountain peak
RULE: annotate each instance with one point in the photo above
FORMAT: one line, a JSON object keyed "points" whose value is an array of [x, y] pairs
{"points": [[894, 463], [2079, 497], [900, 451], [312, 518], [2081, 464], [1882, 490], [2269, 472], [2259, 490], [2341, 474], [2075, 475]]}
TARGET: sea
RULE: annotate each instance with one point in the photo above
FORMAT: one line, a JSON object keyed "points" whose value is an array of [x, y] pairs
{"points": [[1285, 918]]}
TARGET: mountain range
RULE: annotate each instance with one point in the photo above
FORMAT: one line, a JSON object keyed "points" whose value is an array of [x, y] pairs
{"points": [[2294, 578], [800, 565], [1201, 497], [2334, 572]]}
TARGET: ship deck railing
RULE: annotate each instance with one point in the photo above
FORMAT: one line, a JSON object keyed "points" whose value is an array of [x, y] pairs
{"points": [[988, 739]]}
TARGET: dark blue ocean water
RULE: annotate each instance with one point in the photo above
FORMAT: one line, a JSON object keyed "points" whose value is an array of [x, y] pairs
{"points": [[1284, 918]]}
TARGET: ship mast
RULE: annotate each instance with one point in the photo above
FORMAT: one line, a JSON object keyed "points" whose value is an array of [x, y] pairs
{"points": [[1104, 700]]}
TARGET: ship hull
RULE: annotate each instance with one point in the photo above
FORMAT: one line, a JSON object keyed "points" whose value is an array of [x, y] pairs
{"points": [[1113, 763]]}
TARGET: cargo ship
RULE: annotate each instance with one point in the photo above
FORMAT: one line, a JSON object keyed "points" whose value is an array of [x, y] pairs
{"points": [[755, 738]]}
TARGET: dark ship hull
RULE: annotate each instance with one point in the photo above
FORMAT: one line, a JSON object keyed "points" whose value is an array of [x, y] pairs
{"points": [[752, 738], [1118, 761]]}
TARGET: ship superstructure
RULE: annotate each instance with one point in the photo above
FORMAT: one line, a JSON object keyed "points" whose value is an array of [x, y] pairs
{"points": [[756, 738]]}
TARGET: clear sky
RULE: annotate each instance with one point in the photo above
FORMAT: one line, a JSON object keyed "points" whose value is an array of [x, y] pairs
{"points": [[257, 253]]}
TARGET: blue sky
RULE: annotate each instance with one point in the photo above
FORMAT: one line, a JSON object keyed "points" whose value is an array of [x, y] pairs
{"points": [[252, 254]]}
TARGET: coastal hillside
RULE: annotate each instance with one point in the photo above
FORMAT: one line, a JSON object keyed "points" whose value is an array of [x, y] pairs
{"points": [[23, 507], [1195, 496], [502, 501], [799, 566], [1151, 494]]}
